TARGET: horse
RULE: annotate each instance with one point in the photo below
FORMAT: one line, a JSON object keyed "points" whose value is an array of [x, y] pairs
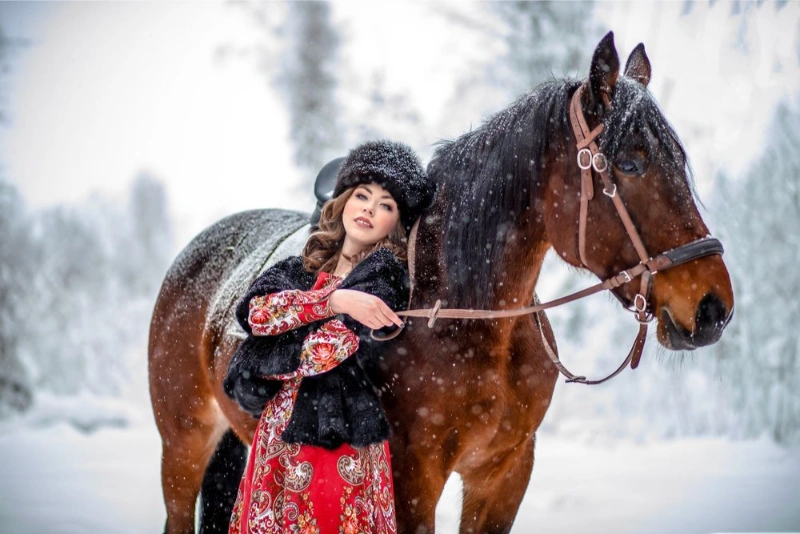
{"points": [[461, 395]]}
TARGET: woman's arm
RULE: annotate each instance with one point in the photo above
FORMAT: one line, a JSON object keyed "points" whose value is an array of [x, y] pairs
{"points": [[380, 275], [274, 314], [365, 308], [323, 349]]}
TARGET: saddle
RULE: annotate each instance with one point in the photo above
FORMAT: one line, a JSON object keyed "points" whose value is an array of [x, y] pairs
{"points": [[323, 187]]}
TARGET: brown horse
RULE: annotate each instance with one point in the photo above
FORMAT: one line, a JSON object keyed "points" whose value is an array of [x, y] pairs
{"points": [[465, 395]]}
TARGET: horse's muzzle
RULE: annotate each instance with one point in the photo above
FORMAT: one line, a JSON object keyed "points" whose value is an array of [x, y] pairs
{"points": [[710, 321]]}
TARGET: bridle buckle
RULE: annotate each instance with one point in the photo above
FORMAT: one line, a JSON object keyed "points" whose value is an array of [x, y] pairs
{"points": [[640, 303], [603, 166], [585, 152]]}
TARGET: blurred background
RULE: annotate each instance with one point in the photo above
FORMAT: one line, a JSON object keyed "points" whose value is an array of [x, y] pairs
{"points": [[127, 128]]}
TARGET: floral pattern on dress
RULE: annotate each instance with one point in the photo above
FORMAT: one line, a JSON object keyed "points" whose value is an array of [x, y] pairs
{"points": [[323, 349], [274, 314], [304, 489]]}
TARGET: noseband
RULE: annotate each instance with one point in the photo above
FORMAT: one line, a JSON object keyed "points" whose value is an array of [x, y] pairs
{"points": [[589, 159]]}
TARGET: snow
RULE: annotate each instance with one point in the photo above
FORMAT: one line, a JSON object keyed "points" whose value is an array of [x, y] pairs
{"points": [[83, 411], [57, 479], [700, 485], [607, 458]]}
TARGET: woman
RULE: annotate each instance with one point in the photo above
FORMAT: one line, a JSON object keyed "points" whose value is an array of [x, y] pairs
{"points": [[320, 457]]}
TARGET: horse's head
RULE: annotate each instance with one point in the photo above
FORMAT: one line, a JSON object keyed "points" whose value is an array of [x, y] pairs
{"points": [[648, 171]]}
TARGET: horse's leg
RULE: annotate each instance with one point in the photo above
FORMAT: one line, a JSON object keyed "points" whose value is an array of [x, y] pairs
{"points": [[225, 470], [418, 484], [221, 484], [188, 419], [189, 440], [493, 493]]}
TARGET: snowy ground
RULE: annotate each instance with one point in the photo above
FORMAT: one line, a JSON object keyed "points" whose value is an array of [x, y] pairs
{"points": [[56, 479]]}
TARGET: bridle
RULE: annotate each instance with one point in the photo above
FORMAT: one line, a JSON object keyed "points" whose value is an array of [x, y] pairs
{"points": [[590, 160]]}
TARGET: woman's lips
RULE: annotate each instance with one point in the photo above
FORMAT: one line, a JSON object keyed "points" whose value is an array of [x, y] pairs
{"points": [[361, 221]]}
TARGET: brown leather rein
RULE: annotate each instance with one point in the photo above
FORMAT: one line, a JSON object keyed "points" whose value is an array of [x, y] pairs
{"points": [[589, 158]]}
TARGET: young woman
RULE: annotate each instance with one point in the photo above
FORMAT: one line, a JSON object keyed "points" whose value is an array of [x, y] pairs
{"points": [[319, 461]]}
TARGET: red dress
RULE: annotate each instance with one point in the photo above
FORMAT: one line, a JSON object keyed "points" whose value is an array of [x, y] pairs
{"points": [[305, 489]]}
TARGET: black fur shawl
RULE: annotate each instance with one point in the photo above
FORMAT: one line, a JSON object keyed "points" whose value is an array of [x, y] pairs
{"points": [[342, 405]]}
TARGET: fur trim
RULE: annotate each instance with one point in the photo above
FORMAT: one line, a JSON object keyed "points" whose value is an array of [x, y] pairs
{"points": [[396, 167], [342, 405]]}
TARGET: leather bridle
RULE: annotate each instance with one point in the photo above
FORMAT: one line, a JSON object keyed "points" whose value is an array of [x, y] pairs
{"points": [[590, 160]]}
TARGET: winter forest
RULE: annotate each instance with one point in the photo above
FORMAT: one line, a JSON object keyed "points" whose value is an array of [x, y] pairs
{"points": [[164, 118]]}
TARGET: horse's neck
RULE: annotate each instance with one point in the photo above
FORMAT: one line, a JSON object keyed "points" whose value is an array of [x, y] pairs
{"points": [[513, 281], [516, 280]]}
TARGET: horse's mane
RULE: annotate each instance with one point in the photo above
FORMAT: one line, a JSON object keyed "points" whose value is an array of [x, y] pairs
{"points": [[487, 176], [634, 111]]}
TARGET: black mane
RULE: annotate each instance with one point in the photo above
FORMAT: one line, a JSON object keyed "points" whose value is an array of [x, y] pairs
{"points": [[486, 177], [634, 111]]}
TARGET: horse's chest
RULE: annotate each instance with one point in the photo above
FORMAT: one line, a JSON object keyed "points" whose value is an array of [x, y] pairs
{"points": [[482, 401], [468, 395]]}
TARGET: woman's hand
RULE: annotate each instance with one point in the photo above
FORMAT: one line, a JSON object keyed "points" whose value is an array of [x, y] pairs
{"points": [[367, 309]]}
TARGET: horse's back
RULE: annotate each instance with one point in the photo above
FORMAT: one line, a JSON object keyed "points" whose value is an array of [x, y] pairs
{"points": [[203, 283], [224, 246]]}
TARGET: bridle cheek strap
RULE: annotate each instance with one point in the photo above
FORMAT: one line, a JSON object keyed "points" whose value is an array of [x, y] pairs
{"points": [[590, 157]]}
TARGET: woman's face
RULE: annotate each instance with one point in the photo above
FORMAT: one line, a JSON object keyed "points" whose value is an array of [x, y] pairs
{"points": [[369, 215]]}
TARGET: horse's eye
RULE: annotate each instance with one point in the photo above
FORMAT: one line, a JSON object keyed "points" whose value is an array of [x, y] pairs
{"points": [[630, 166]]}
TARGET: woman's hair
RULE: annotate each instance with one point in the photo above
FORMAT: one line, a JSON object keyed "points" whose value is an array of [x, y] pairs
{"points": [[323, 247]]}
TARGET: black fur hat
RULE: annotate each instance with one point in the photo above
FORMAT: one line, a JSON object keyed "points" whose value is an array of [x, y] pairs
{"points": [[396, 168]]}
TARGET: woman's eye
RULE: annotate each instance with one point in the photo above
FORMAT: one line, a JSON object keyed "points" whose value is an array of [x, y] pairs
{"points": [[361, 196], [387, 207]]}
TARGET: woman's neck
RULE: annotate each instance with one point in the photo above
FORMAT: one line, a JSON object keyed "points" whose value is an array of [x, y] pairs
{"points": [[349, 250], [343, 266]]}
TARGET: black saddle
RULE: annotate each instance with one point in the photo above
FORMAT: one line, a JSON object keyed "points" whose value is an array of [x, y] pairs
{"points": [[323, 187]]}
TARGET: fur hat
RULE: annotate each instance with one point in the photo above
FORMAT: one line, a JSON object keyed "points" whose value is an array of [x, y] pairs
{"points": [[396, 168]]}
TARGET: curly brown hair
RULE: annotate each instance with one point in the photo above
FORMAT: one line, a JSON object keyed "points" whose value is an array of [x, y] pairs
{"points": [[324, 246]]}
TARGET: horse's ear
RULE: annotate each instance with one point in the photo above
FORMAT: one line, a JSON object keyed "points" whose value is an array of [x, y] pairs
{"points": [[604, 72], [638, 65]]}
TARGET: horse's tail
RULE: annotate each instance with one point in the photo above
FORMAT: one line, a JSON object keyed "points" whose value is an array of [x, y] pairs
{"points": [[220, 484]]}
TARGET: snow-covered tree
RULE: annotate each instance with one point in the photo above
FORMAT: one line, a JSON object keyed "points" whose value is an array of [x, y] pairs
{"points": [[77, 286], [388, 114], [152, 243], [759, 355], [308, 82], [544, 40], [70, 290], [297, 51], [15, 262], [15, 266]]}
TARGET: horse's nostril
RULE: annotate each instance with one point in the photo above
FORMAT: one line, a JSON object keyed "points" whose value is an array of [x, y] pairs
{"points": [[712, 317]]}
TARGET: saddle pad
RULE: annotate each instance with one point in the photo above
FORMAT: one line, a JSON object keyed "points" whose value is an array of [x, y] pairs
{"points": [[292, 245]]}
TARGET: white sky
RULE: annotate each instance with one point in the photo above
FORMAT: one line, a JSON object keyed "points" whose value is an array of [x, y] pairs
{"points": [[108, 89]]}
